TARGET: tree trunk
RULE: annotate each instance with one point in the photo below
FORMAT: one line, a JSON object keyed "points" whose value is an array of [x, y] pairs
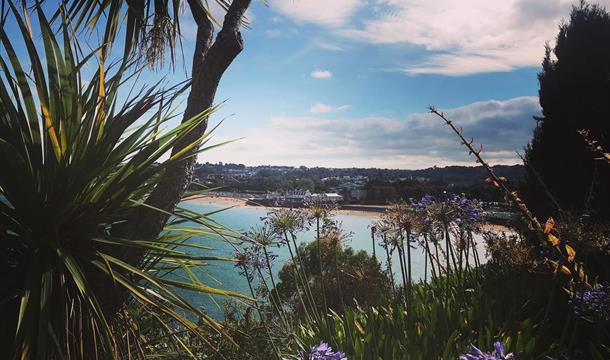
{"points": [[210, 60]]}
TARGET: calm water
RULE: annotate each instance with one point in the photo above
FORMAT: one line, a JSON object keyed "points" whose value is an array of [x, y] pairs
{"points": [[224, 275]]}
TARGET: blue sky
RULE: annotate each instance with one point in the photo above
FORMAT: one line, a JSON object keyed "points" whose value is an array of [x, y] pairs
{"points": [[346, 83]]}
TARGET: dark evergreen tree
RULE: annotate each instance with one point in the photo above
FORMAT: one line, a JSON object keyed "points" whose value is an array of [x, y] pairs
{"points": [[574, 94]]}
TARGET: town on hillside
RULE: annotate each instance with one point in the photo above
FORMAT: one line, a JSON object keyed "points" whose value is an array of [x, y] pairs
{"points": [[353, 188]]}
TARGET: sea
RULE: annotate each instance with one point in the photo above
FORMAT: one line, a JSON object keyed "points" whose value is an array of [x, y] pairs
{"points": [[224, 274]]}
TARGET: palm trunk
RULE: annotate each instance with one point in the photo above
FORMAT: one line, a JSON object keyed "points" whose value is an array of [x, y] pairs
{"points": [[210, 60]]}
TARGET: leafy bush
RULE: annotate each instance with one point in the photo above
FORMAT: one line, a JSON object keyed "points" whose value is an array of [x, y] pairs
{"points": [[77, 160], [438, 325], [359, 280]]}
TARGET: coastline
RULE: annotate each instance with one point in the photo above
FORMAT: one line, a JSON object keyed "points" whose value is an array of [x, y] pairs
{"points": [[241, 203]]}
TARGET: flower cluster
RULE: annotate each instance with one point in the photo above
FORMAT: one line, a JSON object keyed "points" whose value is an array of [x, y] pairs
{"points": [[496, 354], [284, 222], [322, 352], [261, 235], [466, 212], [593, 304], [454, 208], [252, 259], [429, 210]]}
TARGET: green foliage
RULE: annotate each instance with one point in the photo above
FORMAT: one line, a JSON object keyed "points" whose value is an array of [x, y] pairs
{"points": [[562, 174], [442, 323], [152, 27], [241, 326], [359, 280], [77, 160]]}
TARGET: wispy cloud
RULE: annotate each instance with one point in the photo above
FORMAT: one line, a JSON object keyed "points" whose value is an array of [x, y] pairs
{"points": [[417, 141], [321, 74], [333, 13], [273, 33], [457, 37], [321, 108]]}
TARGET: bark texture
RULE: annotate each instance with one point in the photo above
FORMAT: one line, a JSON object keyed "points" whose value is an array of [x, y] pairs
{"points": [[210, 60]]}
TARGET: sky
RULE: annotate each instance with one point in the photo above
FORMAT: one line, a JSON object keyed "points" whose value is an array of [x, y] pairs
{"points": [[347, 83]]}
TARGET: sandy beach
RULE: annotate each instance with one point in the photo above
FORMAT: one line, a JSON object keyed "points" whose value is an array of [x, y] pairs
{"points": [[238, 202]]}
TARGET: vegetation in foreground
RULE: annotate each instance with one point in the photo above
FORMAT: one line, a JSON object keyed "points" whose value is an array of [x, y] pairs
{"points": [[75, 289]]}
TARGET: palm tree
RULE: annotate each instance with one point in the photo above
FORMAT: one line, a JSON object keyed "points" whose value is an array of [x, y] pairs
{"points": [[152, 27], [74, 169]]}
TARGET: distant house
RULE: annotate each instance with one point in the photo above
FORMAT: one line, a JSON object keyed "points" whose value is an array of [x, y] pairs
{"points": [[357, 194], [332, 197], [296, 198]]}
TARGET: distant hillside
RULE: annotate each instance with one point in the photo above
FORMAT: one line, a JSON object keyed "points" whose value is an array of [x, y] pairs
{"points": [[380, 185], [456, 175], [469, 175]]}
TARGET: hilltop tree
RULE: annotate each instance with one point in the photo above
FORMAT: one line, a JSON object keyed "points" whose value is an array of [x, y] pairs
{"points": [[562, 174]]}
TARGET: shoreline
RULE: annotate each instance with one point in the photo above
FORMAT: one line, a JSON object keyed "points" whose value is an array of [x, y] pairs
{"points": [[229, 201], [241, 203]]}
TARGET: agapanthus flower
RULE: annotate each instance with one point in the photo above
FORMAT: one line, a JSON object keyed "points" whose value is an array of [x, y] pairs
{"points": [[262, 235], [251, 259], [286, 221], [423, 207], [496, 354], [322, 352], [593, 304], [466, 212]]}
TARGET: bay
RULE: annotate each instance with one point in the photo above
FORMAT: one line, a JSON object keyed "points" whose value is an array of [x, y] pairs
{"points": [[224, 275]]}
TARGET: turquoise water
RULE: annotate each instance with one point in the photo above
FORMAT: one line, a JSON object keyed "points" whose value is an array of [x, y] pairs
{"points": [[224, 275]]}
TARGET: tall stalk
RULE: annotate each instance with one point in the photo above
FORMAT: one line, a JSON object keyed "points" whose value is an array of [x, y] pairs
{"points": [[297, 278], [401, 256], [336, 249], [305, 278], [389, 263], [410, 278], [450, 252], [429, 254], [279, 305], [323, 286], [258, 309]]}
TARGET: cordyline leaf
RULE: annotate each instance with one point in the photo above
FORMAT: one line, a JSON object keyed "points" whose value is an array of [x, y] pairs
{"points": [[553, 240], [548, 226], [60, 215], [571, 253], [39, 78], [101, 116]]}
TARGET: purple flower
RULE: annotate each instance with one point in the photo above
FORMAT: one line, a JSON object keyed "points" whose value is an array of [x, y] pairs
{"points": [[466, 212], [322, 352], [593, 304], [251, 259], [496, 354]]}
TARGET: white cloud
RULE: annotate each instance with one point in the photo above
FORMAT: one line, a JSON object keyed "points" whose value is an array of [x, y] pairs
{"points": [[321, 74], [328, 13], [469, 36], [321, 108], [330, 47], [273, 33], [417, 141]]}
